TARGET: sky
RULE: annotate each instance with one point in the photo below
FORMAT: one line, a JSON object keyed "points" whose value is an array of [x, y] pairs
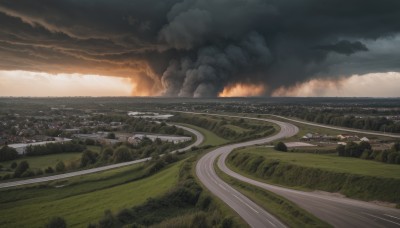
{"points": [[200, 48]]}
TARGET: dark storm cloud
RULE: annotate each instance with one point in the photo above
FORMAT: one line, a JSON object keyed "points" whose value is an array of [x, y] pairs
{"points": [[344, 47], [198, 47]]}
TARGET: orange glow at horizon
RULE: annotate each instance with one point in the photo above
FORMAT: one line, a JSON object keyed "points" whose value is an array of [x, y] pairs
{"points": [[242, 90]]}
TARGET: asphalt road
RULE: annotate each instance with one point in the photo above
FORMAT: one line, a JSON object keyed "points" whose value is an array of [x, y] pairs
{"points": [[339, 212], [199, 140], [253, 214]]}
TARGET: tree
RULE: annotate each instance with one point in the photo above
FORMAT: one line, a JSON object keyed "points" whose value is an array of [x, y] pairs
{"points": [[280, 146], [122, 154], [56, 222], [21, 168], [13, 165], [88, 158], [341, 149], [7, 153], [396, 146], [106, 154], [353, 150], [111, 135], [49, 170], [364, 146], [60, 167]]}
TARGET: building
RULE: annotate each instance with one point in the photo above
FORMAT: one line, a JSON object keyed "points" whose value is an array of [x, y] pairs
{"points": [[165, 138], [348, 137], [21, 147], [364, 139]]}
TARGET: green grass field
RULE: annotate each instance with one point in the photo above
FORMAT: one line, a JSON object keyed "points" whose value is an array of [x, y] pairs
{"points": [[330, 162], [209, 137], [286, 211], [42, 162], [237, 129], [84, 199]]}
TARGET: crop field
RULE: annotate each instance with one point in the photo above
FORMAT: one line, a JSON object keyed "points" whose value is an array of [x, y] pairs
{"points": [[82, 200]]}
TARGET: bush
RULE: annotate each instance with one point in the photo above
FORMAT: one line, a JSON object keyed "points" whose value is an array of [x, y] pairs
{"points": [[49, 170], [28, 173], [88, 158], [280, 146], [6, 177], [122, 154], [396, 146], [56, 222], [39, 172], [60, 167], [21, 168], [13, 165]]}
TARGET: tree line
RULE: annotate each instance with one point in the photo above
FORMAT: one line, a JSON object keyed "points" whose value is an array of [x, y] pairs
{"points": [[364, 150]]}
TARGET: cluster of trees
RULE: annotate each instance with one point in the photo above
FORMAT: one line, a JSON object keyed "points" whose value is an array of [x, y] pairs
{"points": [[54, 148], [219, 126], [125, 152], [23, 170], [139, 124], [7, 153], [143, 125], [363, 150], [337, 118]]}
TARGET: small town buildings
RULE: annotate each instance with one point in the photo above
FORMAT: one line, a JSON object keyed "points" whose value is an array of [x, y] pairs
{"points": [[166, 138]]}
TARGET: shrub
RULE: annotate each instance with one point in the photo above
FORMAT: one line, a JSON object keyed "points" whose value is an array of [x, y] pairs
{"points": [[28, 173], [122, 154], [39, 172], [13, 165], [280, 146], [6, 177], [56, 222], [21, 168], [49, 170], [88, 158], [60, 167]]}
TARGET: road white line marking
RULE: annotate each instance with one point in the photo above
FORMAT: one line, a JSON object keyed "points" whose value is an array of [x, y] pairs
{"points": [[392, 216], [382, 219], [222, 186], [245, 203]]}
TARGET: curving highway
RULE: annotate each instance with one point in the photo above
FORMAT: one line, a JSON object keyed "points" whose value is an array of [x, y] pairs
{"points": [[199, 140], [339, 212], [253, 214]]}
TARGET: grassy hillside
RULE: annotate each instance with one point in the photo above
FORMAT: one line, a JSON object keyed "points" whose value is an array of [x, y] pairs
{"points": [[83, 199], [356, 178]]}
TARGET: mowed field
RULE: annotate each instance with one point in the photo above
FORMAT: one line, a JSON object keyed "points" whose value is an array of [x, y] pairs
{"points": [[330, 162], [84, 199]]}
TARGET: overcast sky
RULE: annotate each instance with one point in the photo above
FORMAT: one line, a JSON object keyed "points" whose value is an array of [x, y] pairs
{"points": [[199, 48]]}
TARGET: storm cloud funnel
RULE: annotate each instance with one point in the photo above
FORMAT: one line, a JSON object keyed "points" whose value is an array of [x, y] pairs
{"points": [[196, 48]]}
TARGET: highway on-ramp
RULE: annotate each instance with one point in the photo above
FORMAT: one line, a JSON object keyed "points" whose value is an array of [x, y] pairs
{"points": [[199, 140]]}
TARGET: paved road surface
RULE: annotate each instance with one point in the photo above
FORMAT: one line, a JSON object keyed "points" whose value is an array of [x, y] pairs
{"points": [[199, 140], [253, 214], [340, 212], [340, 128]]}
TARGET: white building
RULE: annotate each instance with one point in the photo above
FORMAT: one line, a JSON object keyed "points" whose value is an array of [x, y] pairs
{"points": [[21, 147], [166, 138]]}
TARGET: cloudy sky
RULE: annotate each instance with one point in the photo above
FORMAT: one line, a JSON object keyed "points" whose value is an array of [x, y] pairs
{"points": [[200, 48]]}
